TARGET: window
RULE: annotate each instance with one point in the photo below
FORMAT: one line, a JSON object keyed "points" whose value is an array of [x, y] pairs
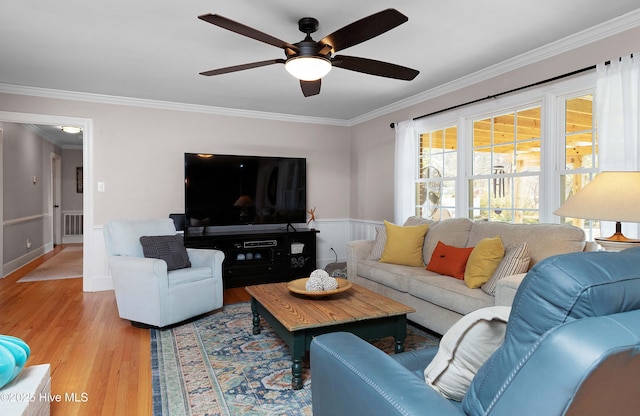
{"points": [[514, 159], [580, 155], [505, 179], [437, 172]]}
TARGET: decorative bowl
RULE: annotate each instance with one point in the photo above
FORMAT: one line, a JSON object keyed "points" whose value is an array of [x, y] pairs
{"points": [[299, 286]]}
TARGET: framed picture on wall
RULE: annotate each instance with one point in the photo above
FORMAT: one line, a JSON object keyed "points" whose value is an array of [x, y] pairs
{"points": [[79, 179]]}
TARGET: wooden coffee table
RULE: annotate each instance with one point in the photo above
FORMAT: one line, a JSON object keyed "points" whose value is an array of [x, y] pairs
{"points": [[297, 318]]}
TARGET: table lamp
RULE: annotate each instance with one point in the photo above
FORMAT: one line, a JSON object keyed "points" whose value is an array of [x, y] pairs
{"points": [[610, 196]]}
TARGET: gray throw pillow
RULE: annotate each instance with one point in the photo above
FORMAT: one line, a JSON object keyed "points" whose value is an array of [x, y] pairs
{"points": [[169, 248]]}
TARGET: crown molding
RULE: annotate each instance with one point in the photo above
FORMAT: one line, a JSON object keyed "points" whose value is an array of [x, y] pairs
{"points": [[164, 105], [612, 27], [593, 34]]}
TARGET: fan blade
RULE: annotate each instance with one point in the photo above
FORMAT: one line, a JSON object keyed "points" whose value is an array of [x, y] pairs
{"points": [[364, 29], [373, 67], [235, 68], [310, 88], [244, 30]]}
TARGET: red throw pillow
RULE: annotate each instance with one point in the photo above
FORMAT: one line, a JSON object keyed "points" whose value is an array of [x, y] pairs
{"points": [[449, 260]]}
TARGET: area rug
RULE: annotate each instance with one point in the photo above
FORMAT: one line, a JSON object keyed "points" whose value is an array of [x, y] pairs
{"points": [[66, 264], [216, 366]]}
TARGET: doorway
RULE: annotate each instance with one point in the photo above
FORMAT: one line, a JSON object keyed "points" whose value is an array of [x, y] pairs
{"points": [[87, 205]]}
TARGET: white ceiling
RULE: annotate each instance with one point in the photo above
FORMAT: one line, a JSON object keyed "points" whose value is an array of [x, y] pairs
{"points": [[154, 49], [55, 135]]}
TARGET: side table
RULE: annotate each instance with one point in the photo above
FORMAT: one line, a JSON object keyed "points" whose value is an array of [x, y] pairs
{"points": [[28, 394]]}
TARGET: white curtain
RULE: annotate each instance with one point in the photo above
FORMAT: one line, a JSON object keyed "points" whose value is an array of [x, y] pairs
{"points": [[406, 156], [618, 121]]}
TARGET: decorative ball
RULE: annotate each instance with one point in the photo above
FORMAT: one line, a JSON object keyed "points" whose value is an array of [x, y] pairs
{"points": [[329, 283], [314, 284], [319, 273], [319, 280]]}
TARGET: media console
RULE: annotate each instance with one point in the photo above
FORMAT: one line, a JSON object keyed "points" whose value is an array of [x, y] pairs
{"points": [[261, 256]]}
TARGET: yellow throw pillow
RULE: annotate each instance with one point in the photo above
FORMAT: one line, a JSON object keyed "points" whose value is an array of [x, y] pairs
{"points": [[404, 244], [483, 261]]}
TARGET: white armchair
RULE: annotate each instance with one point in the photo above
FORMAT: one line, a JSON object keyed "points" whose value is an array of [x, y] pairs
{"points": [[146, 292]]}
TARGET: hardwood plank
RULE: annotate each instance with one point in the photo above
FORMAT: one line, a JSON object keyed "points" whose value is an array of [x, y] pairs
{"points": [[90, 349], [236, 295]]}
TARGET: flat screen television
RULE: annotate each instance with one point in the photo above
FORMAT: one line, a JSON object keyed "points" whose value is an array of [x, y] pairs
{"points": [[227, 190]]}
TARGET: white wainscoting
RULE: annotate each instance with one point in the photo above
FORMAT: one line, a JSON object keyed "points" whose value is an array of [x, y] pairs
{"points": [[32, 252], [13, 265], [95, 265], [333, 233], [363, 230], [336, 234]]}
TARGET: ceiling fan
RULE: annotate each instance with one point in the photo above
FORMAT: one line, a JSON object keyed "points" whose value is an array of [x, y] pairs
{"points": [[309, 60]]}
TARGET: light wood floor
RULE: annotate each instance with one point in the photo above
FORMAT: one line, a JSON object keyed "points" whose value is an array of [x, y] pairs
{"points": [[90, 349]]}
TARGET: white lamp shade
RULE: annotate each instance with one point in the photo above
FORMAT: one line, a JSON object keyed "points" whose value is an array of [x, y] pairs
{"points": [[308, 68], [610, 196]]}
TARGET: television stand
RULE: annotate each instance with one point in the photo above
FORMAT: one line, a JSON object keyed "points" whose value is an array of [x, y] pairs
{"points": [[260, 256]]}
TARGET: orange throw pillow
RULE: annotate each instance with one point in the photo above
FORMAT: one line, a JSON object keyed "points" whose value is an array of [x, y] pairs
{"points": [[449, 260]]}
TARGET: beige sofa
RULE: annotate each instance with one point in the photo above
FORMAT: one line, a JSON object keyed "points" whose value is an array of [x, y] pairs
{"points": [[440, 300]]}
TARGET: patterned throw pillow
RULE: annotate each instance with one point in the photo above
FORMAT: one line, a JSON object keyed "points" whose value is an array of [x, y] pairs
{"points": [[169, 248], [516, 260], [378, 245]]}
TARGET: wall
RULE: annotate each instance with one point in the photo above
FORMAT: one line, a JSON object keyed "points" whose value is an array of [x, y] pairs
{"points": [[372, 141], [137, 152], [71, 199], [139, 155], [26, 196]]}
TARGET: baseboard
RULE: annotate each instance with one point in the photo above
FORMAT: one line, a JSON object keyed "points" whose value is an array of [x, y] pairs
{"points": [[23, 260], [72, 239], [97, 284]]}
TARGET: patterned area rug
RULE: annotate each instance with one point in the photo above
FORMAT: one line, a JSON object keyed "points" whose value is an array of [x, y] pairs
{"points": [[216, 366]]}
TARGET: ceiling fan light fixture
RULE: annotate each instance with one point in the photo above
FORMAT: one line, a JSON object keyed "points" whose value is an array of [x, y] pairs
{"points": [[309, 61], [308, 68]]}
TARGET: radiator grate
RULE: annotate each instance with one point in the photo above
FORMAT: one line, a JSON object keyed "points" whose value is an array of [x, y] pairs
{"points": [[73, 223]]}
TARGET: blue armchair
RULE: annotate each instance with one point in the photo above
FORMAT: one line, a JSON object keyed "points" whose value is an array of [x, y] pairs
{"points": [[146, 291], [572, 347]]}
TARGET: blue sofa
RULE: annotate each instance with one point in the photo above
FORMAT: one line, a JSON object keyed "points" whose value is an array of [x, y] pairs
{"points": [[572, 347]]}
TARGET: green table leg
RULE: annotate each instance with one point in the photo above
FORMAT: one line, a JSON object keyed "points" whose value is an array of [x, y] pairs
{"points": [[297, 347], [296, 374], [401, 333], [256, 317]]}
